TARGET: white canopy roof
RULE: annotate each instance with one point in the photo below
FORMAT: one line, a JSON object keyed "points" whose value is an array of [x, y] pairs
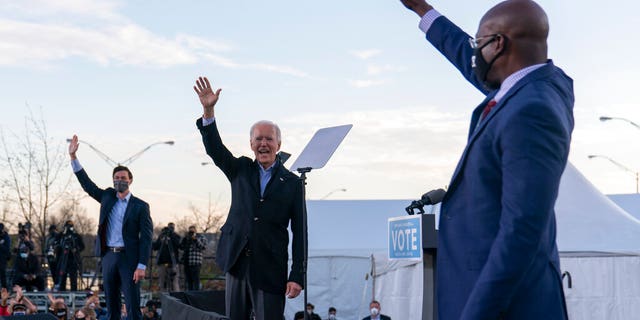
{"points": [[628, 202], [587, 221]]}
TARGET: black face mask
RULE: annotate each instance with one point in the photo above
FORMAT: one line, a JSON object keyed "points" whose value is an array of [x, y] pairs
{"points": [[120, 185], [61, 313], [481, 67]]}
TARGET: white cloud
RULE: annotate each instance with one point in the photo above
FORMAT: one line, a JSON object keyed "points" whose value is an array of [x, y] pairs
{"points": [[378, 69], [229, 63], [419, 145], [28, 44], [365, 54], [366, 83], [62, 9], [202, 44], [40, 34]]}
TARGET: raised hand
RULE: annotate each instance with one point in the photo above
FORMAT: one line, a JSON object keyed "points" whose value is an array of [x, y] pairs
{"points": [[73, 147], [207, 97], [18, 290], [420, 7]]}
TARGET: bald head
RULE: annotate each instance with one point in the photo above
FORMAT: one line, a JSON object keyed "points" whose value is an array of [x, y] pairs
{"points": [[526, 26]]}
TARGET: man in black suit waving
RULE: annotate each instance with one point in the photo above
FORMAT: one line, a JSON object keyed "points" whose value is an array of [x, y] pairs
{"points": [[252, 249], [124, 237]]}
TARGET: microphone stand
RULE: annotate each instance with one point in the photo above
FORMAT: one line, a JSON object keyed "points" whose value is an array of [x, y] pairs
{"points": [[314, 156], [303, 182]]}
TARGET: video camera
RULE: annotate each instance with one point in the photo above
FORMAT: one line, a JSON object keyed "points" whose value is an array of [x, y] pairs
{"points": [[24, 230], [166, 232], [68, 229], [67, 239]]}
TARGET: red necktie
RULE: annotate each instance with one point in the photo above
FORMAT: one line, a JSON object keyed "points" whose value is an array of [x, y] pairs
{"points": [[487, 108]]}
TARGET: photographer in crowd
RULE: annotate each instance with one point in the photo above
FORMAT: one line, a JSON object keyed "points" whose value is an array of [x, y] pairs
{"points": [[50, 244], [24, 237], [69, 246], [5, 254], [192, 245], [167, 259]]}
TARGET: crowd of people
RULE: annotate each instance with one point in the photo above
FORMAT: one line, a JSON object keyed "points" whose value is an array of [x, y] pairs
{"points": [[17, 304], [62, 254], [169, 244], [332, 313]]}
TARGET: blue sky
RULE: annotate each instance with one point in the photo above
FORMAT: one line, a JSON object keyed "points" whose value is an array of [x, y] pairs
{"points": [[120, 75]]}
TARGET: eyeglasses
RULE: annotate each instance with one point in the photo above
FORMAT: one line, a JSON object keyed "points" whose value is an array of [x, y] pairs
{"points": [[474, 43]]}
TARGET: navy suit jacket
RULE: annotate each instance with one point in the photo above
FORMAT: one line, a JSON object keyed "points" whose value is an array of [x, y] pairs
{"points": [[137, 228], [497, 255], [257, 222]]}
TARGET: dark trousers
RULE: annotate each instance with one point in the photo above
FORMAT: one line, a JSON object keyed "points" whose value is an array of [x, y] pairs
{"points": [[118, 278], [29, 285], [73, 278], [53, 268], [67, 266], [242, 301], [192, 277]]}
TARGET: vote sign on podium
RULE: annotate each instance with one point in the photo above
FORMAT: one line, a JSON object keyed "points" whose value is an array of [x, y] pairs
{"points": [[405, 238]]}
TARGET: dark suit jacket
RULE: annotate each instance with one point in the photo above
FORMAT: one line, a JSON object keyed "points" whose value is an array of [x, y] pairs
{"points": [[5, 247], [497, 252], [30, 265], [382, 317], [137, 227], [258, 222]]}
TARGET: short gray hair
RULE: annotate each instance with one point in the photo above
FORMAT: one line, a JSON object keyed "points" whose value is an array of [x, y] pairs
{"points": [[267, 122]]}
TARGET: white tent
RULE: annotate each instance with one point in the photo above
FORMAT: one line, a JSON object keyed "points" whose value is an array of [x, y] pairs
{"points": [[343, 236], [589, 221], [599, 244], [629, 202], [600, 252]]}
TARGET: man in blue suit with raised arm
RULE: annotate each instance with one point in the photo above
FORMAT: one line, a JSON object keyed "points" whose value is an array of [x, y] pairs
{"points": [[124, 237], [497, 255]]}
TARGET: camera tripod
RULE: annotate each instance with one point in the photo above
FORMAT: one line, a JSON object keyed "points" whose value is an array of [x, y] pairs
{"points": [[171, 274], [68, 251]]}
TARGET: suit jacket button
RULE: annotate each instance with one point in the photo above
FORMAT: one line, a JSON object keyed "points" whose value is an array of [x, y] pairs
{"points": [[255, 219], [261, 200]]}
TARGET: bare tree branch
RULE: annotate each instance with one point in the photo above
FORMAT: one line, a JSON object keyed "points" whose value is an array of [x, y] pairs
{"points": [[206, 221], [33, 181]]}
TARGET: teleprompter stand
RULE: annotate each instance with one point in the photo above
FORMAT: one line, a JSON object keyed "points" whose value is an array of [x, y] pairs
{"points": [[314, 156]]}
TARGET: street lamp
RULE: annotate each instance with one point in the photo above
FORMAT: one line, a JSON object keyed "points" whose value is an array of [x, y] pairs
{"points": [[127, 161], [332, 192], [619, 165], [605, 118]]}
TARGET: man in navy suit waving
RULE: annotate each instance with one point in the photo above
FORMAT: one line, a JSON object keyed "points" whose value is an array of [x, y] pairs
{"points": [[497, 255], [124, 237]]}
